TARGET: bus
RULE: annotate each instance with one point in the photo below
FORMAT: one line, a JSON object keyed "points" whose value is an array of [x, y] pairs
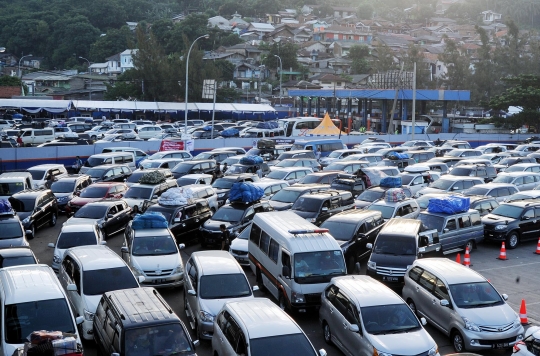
{"points": [[300, 126]]}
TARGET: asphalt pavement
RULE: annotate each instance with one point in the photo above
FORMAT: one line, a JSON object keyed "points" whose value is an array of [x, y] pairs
{"points": [[518, 276]]}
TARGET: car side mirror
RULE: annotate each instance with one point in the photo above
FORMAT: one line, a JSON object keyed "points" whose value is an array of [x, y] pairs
{"points": [[28, 232], [191, 292], [455, 188], [444, 303], [77, 192], [124, 249], [181, 246], [423, 321], [446, 230], [325, 209], [154, 196], [322, 352], [79, 320], [421, 250], [176, 220], [360, 236], [255, 288], [51, 245], [196, 343], [369, 246], [525, 218], [115, 354], [286, 272], [141, 279], [504, 296], [71, 287], [435, 237], [103, 243], [354, 328]]}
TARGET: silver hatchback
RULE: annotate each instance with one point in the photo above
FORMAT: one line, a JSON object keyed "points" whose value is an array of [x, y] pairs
{"points": [[462, 304]]}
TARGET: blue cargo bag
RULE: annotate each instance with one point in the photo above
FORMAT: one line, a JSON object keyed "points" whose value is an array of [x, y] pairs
{"points": [[449, 205], [390, 182], [245, 192], [5, 207], [149, 220], [230, 132], [251, 160]]}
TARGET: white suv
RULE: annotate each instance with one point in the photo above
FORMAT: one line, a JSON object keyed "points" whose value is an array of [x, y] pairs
{"points": [[406, 209]]}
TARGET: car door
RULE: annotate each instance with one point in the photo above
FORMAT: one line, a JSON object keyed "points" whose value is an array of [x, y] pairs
{"points": [[110, 225], [123, 213], [416, 184], [191, 284], [65, 275], [422, 297], [441, 315], [347, 315], [529, 183], [40, 211], [528, 224], [449, 236], [190, 218]]}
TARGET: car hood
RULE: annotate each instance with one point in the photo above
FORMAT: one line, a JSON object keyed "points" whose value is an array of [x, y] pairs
{"points": [[213, 225], [399, 261], [306, 214], [132, 202], [418, 342], [492, 219], [213, 306], [362, 203], [429, 190], [489, 316], [146, 263], [92, 302], [220, 191], [81, 221], [83, 201], [23, 214], [60, 195], [239, 245], [279, 205]]}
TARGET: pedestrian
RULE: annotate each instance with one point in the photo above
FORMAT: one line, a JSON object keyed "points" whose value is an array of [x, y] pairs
{"points": [[77, 165], [20, 142], [225, 237], [318, 154], [438, 142], [49, 180], [225, 167], [259, 171], [218, 171]]}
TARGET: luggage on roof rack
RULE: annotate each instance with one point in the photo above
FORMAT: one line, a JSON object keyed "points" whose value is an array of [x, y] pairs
{"points": [[5, 207], [152, 177], [245, 192], [449, 205], [150, 220]]}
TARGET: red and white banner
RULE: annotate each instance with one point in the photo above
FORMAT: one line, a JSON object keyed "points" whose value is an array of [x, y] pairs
{"points": [[167, 145]]}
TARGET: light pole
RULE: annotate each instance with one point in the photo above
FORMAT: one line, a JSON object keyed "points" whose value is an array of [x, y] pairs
{"points": [[280, 75], [187, 79], [261, 67], [28, 55], [89, 71]]}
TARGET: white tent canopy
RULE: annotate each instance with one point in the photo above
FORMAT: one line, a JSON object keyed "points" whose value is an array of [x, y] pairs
{"points": [[36, 105]]}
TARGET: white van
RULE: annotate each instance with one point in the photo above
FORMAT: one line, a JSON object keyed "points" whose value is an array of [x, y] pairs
{"points": [[126, 158], [37, 136], [137, 152], [40, 173], [32, 299], [253, 327], [292, 258], [14, 182]]}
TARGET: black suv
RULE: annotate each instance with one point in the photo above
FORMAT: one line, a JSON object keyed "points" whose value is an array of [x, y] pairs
{"points": [[318, 206], [235, 217], [192, 167], [184, 220], [353, 229], [64, 189], [349, 183], [513, 222], [483, 204], [109, 173], [113, 215], [13, 233], [223, 185], [35, 208], [285, 198], [488, 173]]}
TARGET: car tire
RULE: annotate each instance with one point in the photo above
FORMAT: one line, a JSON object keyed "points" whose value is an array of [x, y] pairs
{"points": [[54, 217], [457, 341], [327, 333], [93, 137], [411, 305], [470, 244], [512, 240]]}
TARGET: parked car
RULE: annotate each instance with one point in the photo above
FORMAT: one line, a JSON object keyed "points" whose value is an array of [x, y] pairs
{"points": [[323, 177], [522, 180], [94, 192], [64, 189], [137, 174], [524, 195], [35, 208], [291, 174], [450, 183], [223, 185], [138, 193], [285, 198], [298, 162], [488, 173], [17, 256], [191, 167], [189, 179], [500, 191], [109, 173], [372, 194], [407, 209], [168, 163]]}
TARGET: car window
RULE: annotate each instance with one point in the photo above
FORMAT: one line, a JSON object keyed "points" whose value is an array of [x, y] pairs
{"points": [[528, 179], [415, 273], [529, 214], [451, 224], [440, 290], [464, 222], [467, 184], [427, 280]]}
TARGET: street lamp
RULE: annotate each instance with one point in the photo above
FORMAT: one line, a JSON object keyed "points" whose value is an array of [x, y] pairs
{"points": [[20, 74], [280, 75], [187, 79], [90, 91], [261, 67]]}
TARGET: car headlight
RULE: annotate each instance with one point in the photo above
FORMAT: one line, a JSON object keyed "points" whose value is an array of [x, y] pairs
{"points": [[434, 351], [221, 195], [137, 271], [298, 297], [501, 227], [380, 353], [372, 265], [178, 269], [88, 315], [56, 259], [469, 325], [206, 316], [311, 220], [517, 322], [63, 199], [26, 220]]}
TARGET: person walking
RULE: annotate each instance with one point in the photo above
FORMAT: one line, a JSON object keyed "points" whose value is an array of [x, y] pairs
{"points": [[225, 167], [78, 164], [225, 237], [318, 154], [20, 141]]}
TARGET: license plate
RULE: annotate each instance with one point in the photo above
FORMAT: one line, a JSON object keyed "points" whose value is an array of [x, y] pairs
{"points": [[390, 279], [156, 281], [501, 345]]}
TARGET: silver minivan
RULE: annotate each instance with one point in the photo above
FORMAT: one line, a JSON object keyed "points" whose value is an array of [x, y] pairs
{"points": [[462, 304], [362, 316]]}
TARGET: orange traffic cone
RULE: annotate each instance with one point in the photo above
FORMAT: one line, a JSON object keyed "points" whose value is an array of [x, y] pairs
{"points": [[523, 313], [458, 258], [538, 247], [467, 258], [502, 254]]}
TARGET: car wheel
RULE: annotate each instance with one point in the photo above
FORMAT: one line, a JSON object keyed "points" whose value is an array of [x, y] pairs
{"points": [[53, 219], [512, 240], [93, 137], [281, 302], [411, 305], [327, 333], [33, 229], [469, 245], [458, 342]]}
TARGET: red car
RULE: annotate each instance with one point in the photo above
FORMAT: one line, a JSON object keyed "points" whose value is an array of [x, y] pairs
{"points": [[95, 192]]}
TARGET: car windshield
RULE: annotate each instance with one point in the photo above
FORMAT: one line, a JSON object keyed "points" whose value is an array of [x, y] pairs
{"points": [[74, 239], [517, 197], [8, 189], [204, 155], [287, 344], [99, 281], [508, 161], [503, 178], [370, 195], [94, 192], [442, 184], [152, 164], [462, 172], [387, 211], [90, 211], [228, 214], [454, 153], [340, 230], [154, 246], [475, 295], [157, 155], [63, 187], [254, 152], [186, 181], [135, 176], [21, 319], [139, 192], [307, 204], [224, 286], [94, 161], [336, 166], [335, 154], [395, 245], [310, 179], [286, 196], [508, 211], [515, 168], [182, 167], [161, 339], [16, 261], [277, 175], [389, 319], [95, 172], [406, 178], [11, 230], [223, 183], [321, 265], [37, 174], [286, 163], [23, 205], [476, 191], [431, 222]]}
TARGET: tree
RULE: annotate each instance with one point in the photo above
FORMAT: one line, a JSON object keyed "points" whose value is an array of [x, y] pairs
{"points": [[358, 55], [324, 10], [483, 79], [113, 42], [286, 51], [364, 11], [423, 74], [126, 86], [386, 59], [457, 66]]}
